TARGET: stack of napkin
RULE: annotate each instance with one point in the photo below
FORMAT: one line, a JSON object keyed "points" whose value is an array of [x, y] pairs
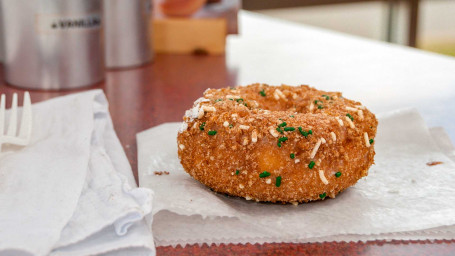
{"points": [[71, 190]]}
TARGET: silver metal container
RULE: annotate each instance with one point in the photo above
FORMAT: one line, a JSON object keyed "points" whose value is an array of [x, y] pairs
{"points": [[127, 32], [52, 44]]}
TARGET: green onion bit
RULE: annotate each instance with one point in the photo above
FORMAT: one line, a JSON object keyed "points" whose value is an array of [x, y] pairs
{"points": [[311, 165], [283, 124], [278, 181], [211, 133], [237, 172], [350, 117], [323, 195], [371, 141], [292, 156], [264, 174], [337, 174], [289, 129], [262, 93], [282, 139], [201, 127], [305, 133]]}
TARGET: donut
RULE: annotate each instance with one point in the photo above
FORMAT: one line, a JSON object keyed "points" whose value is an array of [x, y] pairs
{"points": [[279, 144]]}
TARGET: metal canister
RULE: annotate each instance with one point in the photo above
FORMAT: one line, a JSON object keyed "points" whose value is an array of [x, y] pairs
{"points": [[52, 44], [127, 32]]}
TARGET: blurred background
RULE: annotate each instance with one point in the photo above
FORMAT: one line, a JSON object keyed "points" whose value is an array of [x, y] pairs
{"points": [[425, 24], [62, 44]]}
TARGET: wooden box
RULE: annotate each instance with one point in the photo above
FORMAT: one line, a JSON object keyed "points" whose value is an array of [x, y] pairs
{"points": [[187, 36]]}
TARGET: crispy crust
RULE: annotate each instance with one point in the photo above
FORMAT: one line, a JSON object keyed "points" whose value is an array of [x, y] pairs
{"points": [[247, 140]]}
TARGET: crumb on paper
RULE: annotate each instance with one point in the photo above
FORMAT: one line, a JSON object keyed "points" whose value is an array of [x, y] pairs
{"points": [[434, 163], [161, 173]]}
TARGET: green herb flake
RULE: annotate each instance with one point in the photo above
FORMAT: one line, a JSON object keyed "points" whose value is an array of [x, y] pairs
{"points": [[239, 99], [230, 126], [337, 174], [291, 116], [320, 107], [218, 100], [279, 130], [283, 124], [279, 144], [350, 117], [305, 133], [311, 164], [289, 129], [202, 126], [264, 174], [371, 141], [237, 172], [231, 99], [211, 133], [316, 101], [278, 181], [292, 156], [262, 93], [323, 195], [283, 139], [326, 97]]}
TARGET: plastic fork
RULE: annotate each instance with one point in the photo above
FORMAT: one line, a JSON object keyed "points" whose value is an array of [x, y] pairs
{"points": [[12, 136]]}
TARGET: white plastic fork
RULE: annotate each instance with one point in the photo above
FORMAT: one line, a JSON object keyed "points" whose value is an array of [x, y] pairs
{"points": [[11, 136]]}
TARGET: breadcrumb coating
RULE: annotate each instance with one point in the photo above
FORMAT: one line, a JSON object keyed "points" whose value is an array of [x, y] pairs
{"points": [[277, 143]]}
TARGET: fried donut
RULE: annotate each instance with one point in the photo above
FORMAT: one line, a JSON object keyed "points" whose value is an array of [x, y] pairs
{"points": [[277, 143]]}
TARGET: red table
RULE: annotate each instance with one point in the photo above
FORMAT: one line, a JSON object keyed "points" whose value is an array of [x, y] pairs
{"points": [[150, 95]]}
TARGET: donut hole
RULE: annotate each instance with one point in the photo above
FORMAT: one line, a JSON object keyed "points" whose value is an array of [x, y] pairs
{"points": [[301, 106]]}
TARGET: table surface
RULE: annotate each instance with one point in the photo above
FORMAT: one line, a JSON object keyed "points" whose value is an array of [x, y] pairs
{"points": [[382, 76]]}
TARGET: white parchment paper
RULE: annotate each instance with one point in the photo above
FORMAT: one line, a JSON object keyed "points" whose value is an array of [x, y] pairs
{"points": [[402, 197]]}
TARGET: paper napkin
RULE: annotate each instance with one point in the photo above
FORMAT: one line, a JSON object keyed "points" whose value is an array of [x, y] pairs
{"points": [[71, 191]]}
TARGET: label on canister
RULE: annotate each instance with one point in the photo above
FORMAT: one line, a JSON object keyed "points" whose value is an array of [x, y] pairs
{"points": [[57, 23]]}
